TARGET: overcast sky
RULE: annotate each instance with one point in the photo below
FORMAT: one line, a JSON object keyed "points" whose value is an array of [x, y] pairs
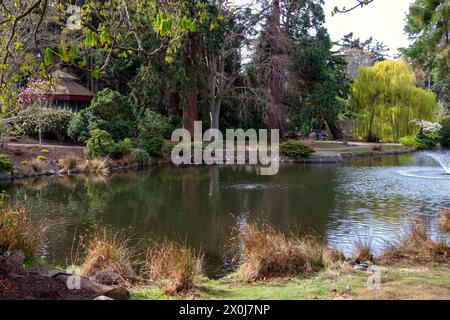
{"points": [[382, 19]]}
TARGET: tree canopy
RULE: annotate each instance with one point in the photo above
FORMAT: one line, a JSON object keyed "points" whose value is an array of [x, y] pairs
{"points": [[388, 100]]}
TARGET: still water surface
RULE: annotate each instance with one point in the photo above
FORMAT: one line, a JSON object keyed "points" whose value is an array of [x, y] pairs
{"points": [[339, 202]]}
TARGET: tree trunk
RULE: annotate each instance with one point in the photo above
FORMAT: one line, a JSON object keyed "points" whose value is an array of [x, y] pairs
{"points": [[216, 86], [216, 113], [276, 108], [171, 101], [190, 112], [212, 78], [337, 134]]}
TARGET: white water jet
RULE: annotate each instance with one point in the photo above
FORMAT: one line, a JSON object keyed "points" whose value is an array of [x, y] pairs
{"points": [[443, 158]]}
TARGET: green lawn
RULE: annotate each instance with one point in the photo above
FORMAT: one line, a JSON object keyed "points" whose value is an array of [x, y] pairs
{"points": [[397, 282]]}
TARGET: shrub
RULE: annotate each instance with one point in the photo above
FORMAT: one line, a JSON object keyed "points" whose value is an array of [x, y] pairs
{"points": [[53, 122], [109, 111], [295, 149], [408, 141], [142, 158], [445, 132], [109, 259], [177, 264], [427, 140], [5, 131], [81, 124], [266, 253], [156, 122], [154, 128], [100, 143], [421, 141], [6, 165], [152, 142], [121, 149], [17, 232]]}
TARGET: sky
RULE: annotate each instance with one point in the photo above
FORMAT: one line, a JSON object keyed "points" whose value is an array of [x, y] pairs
{"points": [[382, 19]]}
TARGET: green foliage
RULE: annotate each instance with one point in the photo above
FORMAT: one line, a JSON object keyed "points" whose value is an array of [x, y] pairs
{"points": [[152, 142], [318, 69], [427, 24], [6, 165], [408, 141], [156, 122], [100, 143], [389, 100], [81, 124], [445, 133], [142, 158], [121, 149], [154, 127], [421, 141], [115, 111], [295, 149], [109, 111], [5, 131], [53, 122]]}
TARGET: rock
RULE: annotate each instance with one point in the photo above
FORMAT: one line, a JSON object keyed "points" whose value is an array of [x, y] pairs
{"points": [[45, 271], [116, 293], [103, 298], [15, 259]]}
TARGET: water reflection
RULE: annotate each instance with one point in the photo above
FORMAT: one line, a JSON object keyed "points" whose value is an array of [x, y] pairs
{"points": [[203, 205]]}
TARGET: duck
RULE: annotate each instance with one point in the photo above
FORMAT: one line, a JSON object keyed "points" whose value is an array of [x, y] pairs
{"points": [[361, 266]]}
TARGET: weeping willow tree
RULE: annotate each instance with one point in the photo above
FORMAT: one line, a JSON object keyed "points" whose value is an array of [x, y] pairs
{"points": [[387, 99]]}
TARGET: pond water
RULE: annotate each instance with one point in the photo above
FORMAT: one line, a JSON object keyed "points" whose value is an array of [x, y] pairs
{"points": [[339, 202]]}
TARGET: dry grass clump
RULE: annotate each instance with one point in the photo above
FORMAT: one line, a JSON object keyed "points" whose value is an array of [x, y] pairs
{"points": [[69, 163], [444, 220], [266, 253], [109, 259], [364, 248], [17, 232], [416, 245], [97, 166], [332, 257], [37, 165], [173, 265]]}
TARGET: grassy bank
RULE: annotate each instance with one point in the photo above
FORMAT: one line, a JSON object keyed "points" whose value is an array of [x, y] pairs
{"points": [[270, 265], [399, 281]]}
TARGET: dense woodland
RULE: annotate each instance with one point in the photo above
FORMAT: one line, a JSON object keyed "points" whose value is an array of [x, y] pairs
{"points": [[258, 64]]}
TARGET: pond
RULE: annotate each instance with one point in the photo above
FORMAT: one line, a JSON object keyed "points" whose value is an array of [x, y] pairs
{"points": [[338, 202]]}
